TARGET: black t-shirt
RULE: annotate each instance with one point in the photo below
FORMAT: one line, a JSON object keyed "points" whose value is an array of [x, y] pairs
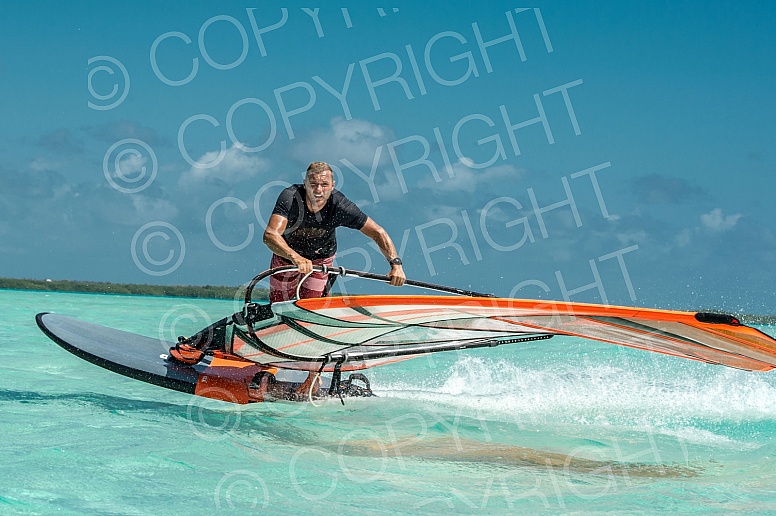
{"points": [[313, 234]]}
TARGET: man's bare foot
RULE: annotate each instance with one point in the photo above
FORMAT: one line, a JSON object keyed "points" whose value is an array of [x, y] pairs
{"points": [[304, 389], [259, 392]]}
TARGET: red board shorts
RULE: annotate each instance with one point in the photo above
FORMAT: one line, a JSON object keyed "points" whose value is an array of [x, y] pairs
{"points": [[282, 286]]}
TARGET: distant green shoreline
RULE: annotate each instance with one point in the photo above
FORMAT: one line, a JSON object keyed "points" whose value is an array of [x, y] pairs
{"points": [[197, 291], [97, 287]]}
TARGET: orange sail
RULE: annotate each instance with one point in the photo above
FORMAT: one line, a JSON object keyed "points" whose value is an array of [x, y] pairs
{"points": [[365, 331]]}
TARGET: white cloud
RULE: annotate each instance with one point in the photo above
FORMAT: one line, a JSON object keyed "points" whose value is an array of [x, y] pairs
{"points": [[684, 238], [387, 190], [434, 212], [505, 211], [234, 166], [466, 179], [131, 166], [355, 140], [633, 237], [149, 209], [40, 164], [715, 221]]}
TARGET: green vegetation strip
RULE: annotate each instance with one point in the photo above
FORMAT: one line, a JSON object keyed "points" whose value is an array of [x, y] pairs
{"points": [[205, 292], [199, 291]]}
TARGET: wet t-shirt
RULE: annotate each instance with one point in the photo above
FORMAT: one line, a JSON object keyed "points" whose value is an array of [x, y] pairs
{"points": [[313, 234]]}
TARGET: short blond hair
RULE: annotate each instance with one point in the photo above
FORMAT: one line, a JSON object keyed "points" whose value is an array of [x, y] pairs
{"points": [[316, 167]]}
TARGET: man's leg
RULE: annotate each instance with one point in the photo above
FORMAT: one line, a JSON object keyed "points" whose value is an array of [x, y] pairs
{"points": [[283, 287], [305, 387]]}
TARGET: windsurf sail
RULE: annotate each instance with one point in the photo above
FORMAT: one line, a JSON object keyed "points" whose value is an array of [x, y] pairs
{"points": [[357, 332]]}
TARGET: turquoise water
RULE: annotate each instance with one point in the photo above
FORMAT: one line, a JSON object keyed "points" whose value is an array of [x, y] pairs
{"points": [[552, 426]]}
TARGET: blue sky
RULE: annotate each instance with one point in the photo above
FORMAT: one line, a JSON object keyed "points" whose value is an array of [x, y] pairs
{"points": [[147, 144]]}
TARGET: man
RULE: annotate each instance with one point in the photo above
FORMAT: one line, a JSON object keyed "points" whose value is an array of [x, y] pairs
{"points": [[301, 231]]}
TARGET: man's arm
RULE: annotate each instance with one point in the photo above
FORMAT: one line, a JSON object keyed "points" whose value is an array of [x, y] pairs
{"points": [[273, 238], [384, 242]]}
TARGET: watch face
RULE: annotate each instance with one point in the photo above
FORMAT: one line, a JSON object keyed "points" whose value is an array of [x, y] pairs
{"points": [[395, 261]]}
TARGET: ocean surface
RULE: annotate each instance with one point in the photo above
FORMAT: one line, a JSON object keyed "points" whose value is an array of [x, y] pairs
{"points": [[552, 426]]}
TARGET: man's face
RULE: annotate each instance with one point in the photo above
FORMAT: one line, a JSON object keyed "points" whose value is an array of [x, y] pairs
{"points": [[318, 187]]}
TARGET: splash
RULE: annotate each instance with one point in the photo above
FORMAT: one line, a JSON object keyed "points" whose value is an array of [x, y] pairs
{"points": [[605, 393]]}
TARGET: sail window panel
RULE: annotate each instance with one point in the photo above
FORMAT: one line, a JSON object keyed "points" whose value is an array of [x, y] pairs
{"points": [[418, 314], [285, 336], [339, 317]]}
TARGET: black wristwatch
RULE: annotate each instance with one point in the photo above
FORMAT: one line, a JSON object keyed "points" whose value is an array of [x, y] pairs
{"points": [[395, 261]]}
